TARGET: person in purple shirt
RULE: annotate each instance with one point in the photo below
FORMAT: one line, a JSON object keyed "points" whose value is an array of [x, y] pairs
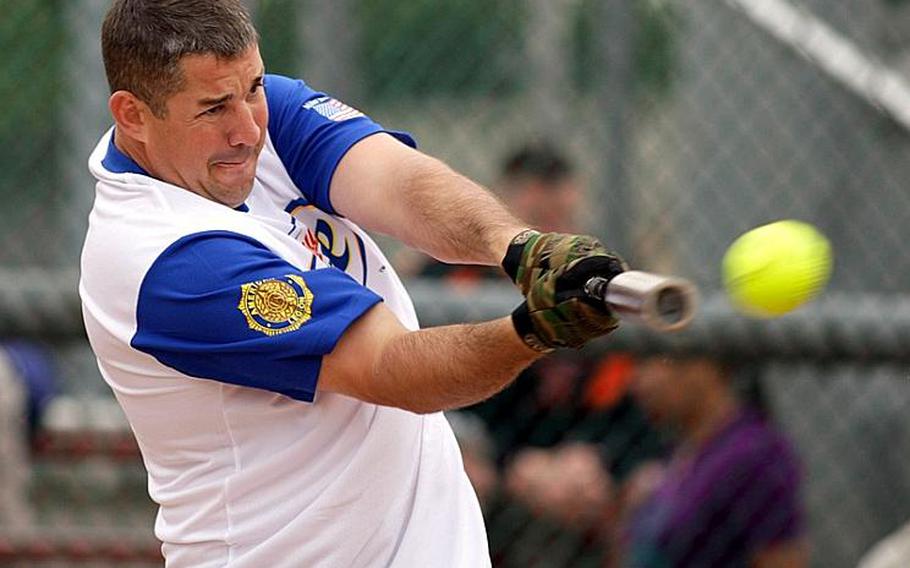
{"points": [[729, 495]]}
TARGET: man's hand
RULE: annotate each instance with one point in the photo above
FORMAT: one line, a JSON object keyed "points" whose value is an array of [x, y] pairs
{"points": [[551, 270], [558, 313], [532, 254], [568, 483]]}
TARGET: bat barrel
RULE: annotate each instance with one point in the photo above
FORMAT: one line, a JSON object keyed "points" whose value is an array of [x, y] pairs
{"points": [[663, 303]]}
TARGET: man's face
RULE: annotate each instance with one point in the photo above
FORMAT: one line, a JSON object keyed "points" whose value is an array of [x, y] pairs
{"points": [[548, 206], [210, 137], [666, 389]]}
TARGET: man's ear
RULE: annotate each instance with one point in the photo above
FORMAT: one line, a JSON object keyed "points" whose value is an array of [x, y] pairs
{"points": [[131, 115]]}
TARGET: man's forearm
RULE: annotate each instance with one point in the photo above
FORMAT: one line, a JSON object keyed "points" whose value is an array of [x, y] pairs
{"points": [[460, 221], [384, 186], [428, 370], [451, 366]]}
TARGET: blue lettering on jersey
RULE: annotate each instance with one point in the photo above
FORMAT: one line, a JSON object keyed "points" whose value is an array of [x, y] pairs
{"points": [[326, 235], [322, 241]]}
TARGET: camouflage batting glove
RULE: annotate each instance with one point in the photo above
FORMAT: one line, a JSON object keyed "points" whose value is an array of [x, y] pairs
{"points": [[558, 313], [531, 254]]}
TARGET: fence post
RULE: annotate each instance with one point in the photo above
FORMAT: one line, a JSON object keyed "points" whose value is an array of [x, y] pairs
{"points": [[330, 37], [615, 91], [83, 119], [546, 49]]}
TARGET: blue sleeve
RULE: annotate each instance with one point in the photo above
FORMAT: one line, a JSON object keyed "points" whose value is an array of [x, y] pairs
{"points": [[249, 319], [311, 132]]}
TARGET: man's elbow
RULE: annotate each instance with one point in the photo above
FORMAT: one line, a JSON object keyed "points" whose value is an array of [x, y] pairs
{"points": [[790, 554]]}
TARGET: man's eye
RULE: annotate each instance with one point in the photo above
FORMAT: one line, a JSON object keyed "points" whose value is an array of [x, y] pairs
{"points": [[212, 111], [256, 86]]}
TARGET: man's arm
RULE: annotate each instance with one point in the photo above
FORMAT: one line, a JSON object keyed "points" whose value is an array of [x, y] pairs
{"points": [[385, 186], [379, 361], [791, 554], [339, 337]]}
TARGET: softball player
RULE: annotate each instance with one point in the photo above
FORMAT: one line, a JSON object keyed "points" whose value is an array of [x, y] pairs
{"points": [[266, 354]]}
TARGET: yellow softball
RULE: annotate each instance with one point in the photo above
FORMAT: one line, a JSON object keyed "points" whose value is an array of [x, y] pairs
{"points": [[776, 268]]}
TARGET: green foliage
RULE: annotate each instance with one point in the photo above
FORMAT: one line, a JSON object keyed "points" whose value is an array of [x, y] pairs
{"points": [[652, 45], [31, 91], [426, 47], [280, 45], [423, 47]]}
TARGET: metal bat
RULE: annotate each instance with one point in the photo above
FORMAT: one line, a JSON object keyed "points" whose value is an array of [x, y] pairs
{"points": [[663, 303]]}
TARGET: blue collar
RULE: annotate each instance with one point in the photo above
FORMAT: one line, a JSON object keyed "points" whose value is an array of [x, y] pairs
{"points": [[119, 163]]}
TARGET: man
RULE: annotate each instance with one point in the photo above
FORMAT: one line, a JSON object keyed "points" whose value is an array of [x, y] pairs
{"points": [[729, 495], [542, 187], [264, 351]]}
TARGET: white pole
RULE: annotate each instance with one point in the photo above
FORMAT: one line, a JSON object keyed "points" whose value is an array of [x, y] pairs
{"points": [[84, 119], [833, 53]]}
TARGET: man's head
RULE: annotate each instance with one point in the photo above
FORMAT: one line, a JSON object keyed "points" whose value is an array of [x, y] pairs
{"points": [[674, 390], [186, 84], [144, 41], [540, 185]]}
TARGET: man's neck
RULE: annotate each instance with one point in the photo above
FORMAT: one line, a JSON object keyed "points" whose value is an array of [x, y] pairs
{"points": [[133, 150], [712, 416]]}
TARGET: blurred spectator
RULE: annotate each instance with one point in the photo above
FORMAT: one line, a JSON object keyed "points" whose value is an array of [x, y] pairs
{"points": [[568, 483], [35, 368], [728, 496], [569, 396], [557, 490], [540, 187], [27, 383]]}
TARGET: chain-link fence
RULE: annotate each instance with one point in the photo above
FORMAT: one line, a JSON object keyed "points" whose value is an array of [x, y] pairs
{"points": [[685, 123]]}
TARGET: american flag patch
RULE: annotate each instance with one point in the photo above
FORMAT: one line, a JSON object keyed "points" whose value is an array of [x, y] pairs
{"points": [[332, 109]]}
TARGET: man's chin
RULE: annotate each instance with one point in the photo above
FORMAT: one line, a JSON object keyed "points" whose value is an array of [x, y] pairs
{"points": [[232, 190], [241, 194], [231, 195]]}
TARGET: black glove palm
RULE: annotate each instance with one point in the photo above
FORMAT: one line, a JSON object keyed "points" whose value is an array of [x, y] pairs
{"points": [[558, 313]]}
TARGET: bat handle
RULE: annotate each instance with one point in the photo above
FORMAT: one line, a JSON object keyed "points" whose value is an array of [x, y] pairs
{"points": [[663, 303]]}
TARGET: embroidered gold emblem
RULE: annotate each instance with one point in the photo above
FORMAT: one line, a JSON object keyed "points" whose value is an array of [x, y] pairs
{"points": [[276, 305]]}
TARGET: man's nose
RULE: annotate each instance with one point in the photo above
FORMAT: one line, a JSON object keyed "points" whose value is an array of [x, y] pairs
{"points": [[245, 131]]}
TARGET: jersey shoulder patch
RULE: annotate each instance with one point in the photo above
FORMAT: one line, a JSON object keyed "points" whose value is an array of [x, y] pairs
{"points": [[276, 305]]}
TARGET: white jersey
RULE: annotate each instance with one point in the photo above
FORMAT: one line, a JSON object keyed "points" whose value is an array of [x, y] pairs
{"points": [[209, 324]]}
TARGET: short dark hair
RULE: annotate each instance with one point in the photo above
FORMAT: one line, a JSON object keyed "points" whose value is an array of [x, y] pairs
{"points": [[143, 41], [537, 160]]}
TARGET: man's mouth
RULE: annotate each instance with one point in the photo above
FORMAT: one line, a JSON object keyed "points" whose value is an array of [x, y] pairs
{"points": [[232, 162]]}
